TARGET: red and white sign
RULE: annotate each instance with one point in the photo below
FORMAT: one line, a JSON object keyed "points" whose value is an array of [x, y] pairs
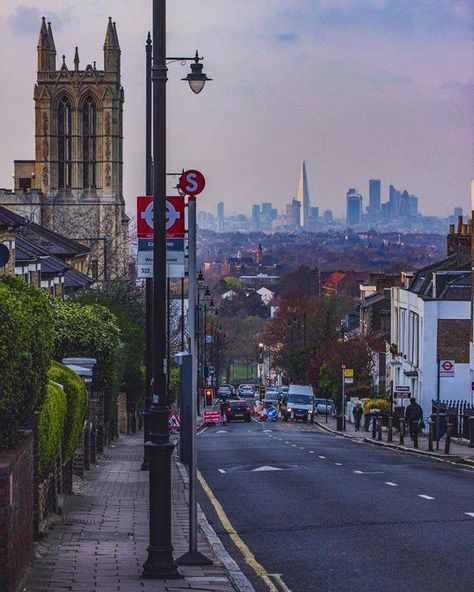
{"points": [[174, 217], [212, 416], [402, 391], [174, 420], [192, 183], [446, 368]]}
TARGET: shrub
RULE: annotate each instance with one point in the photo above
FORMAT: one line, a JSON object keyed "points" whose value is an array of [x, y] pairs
{"points": [[92, 331], [76, 395], [26, 343], [51, 424], [383, 404]]}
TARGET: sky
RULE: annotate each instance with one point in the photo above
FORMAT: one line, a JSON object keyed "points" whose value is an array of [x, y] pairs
{"points": [[360, 89]]}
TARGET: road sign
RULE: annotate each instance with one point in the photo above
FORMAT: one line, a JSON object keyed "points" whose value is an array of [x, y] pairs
{"points": [[174, 420], [402, 391], [348, 375], [446, 368], [174, 217], [272, 413], [174, 257], [212, 416], [192, 183]]}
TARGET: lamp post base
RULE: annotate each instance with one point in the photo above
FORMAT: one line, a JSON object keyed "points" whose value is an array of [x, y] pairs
{"points": [[160, 565], [193, 558]]}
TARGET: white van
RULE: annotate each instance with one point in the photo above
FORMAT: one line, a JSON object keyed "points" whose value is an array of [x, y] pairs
{"points": [[299, 401]]}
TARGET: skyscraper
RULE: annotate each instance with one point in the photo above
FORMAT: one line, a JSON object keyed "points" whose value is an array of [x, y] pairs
{"points": [[303, 197], [220, 215], [374, 199], [354, 208]]}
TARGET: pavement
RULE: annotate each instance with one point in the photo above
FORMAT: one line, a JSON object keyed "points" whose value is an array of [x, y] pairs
{"points": [[303, 510], [100, 541], [457, 452]]}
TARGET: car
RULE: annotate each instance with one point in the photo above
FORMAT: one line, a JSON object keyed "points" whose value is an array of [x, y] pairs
{"points": [[299, 403], [323, 406], [246, 390], [238, 409], [225, 391], [271, 398]]}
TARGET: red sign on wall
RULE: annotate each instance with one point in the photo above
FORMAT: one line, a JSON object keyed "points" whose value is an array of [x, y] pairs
{"points": [[174, 217]]}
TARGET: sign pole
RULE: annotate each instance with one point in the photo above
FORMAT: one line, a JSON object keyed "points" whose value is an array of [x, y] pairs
{"points": [[438, 361], [192, 556], [343, 403]]}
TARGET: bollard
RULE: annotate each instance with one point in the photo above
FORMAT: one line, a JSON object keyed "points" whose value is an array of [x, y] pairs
{"points": [[430, 436], [415, 433], [379, 428], [402, 431], [447, 442], [390, 433], [374, 427]]}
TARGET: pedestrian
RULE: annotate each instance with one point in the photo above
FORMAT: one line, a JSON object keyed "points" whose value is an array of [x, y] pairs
{"points": [[357, 412], [413, 415]]}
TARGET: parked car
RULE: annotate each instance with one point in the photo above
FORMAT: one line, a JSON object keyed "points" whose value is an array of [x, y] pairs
{"points": [[324, 406], [299, 403], [238, 409]]}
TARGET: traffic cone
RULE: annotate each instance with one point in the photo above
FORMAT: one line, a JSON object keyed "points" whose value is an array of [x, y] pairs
{"points": [[308, 420], [262, 416], [292, 416]]}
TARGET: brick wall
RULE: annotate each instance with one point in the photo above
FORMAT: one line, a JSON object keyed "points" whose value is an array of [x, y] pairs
{"points": [[453, 340], [16, 513]]}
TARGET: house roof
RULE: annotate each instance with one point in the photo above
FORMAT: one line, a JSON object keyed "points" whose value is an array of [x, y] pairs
{"points": [[446, 279], [336, 277], [9, 218]]}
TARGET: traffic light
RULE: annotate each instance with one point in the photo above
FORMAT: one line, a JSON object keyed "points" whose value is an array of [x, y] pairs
{"points": [[261, 391], [208, 394]]}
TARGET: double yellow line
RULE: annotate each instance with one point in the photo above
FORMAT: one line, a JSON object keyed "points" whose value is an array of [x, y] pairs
{"points": [[239, 543]]}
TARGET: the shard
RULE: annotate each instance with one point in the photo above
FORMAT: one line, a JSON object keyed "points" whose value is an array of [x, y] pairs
{"points": [[303, 197]]}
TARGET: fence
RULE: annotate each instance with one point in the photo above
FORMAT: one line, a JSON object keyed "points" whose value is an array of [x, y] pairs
{"points": [[458, 414]]}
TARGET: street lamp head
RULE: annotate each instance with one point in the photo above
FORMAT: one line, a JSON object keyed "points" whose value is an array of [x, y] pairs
{"points": [[211, 304], [260, 345], [196, 78], [200, 279], [207, 293]]}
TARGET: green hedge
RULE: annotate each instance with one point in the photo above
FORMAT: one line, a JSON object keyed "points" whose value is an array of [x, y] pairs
{"points": [[26, 343], [76, 395], [91, 331], [51, 425]]}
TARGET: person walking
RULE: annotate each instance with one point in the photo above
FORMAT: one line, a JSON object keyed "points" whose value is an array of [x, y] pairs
{"points": [[357, 412], [413, 415]]}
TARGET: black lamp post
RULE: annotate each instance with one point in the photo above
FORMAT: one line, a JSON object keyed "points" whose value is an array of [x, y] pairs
{"points": [[160, 563]]}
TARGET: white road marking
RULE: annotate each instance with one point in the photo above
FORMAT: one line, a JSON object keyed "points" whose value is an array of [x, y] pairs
{"points": [[301, 447], [281, 439], [221, 471], [428, 497], [391, 484], [265, 468], [338, 464], [322, 457], [368, 472], [281, 584], [222, 432], [294, 445], [286, 442], [311, 451], [471, 514]]}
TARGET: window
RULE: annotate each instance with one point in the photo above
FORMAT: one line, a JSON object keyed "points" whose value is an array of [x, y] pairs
{"points": [[89, 131], [64, 143]]}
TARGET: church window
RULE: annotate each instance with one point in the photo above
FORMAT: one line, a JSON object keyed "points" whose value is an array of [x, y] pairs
{"points": [[64, 143], [89, 127]]}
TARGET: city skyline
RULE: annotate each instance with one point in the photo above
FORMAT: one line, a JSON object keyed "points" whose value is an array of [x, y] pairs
{"points": [[373, 92]]}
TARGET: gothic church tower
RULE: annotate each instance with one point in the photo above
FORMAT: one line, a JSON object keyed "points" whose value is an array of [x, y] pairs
{"points": [[79, 162]]}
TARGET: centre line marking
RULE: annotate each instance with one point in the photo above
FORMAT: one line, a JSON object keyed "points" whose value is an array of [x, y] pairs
{"points": [[391, 484], [322, 457], [311, 451], [239, 543], [338, 464], [221, 471], [471, 514], [428, 497], [294, 445], [286, 442], [301, 447]]}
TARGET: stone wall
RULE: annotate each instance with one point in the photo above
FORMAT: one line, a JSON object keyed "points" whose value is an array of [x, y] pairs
{"points": [[16, 513]]}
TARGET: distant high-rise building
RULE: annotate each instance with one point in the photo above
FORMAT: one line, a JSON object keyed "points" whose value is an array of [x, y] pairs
{"points": [[394, 199], [220, 215], [374, 199], [405, 204], [266, 209], [314, 214], [353, 208], [457, 212], [327, 216], [413, 205], [303, 197], [296, 214], [256, 216]]}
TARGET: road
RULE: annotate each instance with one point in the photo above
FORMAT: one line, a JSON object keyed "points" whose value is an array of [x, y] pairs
{"points": [[337, 515]]}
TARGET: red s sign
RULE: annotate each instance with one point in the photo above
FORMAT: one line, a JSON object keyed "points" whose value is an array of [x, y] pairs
{"points": [[192, 183]]}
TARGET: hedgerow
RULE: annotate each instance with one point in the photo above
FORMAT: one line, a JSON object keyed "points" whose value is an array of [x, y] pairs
{"points": [[26, 344], [51, 424], [76, 395]]}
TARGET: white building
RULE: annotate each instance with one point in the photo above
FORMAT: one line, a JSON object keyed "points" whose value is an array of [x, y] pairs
{"points": [[429, 319]]}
